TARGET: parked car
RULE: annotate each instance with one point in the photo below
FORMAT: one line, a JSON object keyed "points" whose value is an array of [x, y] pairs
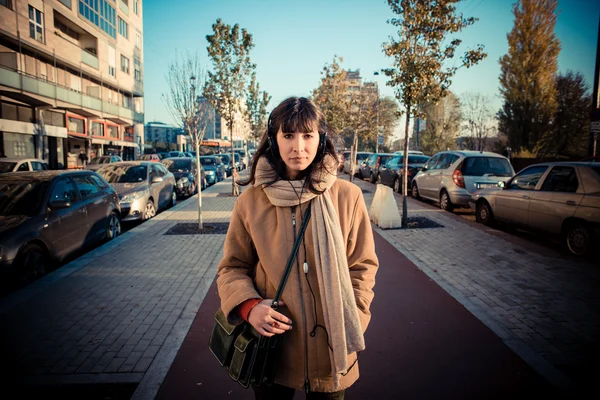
{"points": [[47, 215], [450, 177], [560, 199], [370, 167], [188, 154], [186, 175], [226, 159], [97, 162], [413, 152], [214, 168], [163, 155], [144, 188], [391, 173], [175, 154], [361, 156], [244, 159], [150, 157], [22, 164]]}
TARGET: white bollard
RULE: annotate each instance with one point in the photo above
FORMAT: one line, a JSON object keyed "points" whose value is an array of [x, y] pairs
{"points": [[375, 209], [388, 216]]}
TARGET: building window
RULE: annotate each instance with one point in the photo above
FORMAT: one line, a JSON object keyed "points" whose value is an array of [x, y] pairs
{"points": [[138, 40], [113, 131], [36, 24], [124, 64], [8, 4], [123, 28], [76, 125], [112, 60], [101, 14], [137, 70], [65, 29], [97, 128], [136, 7]]}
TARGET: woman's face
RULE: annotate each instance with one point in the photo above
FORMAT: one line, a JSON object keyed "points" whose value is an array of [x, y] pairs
{"points": [[297, 150]]}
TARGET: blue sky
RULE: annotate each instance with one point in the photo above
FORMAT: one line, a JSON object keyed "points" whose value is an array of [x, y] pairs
{"points": [[294, 39]]}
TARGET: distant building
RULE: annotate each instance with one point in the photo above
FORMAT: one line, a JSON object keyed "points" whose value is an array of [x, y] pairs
{"points": [[161, 137], [71, 79]]}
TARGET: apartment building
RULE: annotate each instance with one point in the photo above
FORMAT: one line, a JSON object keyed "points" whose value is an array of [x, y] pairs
{"points": [[71, 79], [161, 137]]}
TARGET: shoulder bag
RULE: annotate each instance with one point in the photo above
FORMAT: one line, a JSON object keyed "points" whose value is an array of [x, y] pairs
{"points": [[250, 357]]}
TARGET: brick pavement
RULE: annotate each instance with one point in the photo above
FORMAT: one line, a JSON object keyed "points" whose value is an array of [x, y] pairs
{"points": [[543, 303], [120, 312]]}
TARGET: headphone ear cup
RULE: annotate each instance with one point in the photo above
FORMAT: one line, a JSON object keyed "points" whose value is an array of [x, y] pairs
{"points": [[273, 145], [322, 143]]}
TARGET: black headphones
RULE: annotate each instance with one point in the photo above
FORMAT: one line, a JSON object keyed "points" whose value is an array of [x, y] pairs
{"points": [[275, 149]]}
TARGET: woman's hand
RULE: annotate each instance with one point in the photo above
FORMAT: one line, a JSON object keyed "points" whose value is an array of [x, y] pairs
{"points": [[267, 321]]}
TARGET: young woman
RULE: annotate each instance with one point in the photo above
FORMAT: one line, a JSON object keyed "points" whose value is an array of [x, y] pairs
{"points": [[325, 303]]}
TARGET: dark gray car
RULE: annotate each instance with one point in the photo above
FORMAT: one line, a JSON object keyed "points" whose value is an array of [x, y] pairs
{"points": [[47, 215], [144, 187]]}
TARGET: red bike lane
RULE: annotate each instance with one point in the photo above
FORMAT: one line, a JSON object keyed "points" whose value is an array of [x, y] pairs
{"points": [[421, 343]]}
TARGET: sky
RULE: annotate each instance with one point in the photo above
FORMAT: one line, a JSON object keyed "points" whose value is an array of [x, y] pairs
{"points": [[295, 39]]}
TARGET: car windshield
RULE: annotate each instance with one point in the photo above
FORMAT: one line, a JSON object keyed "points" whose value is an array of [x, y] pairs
{"points": [[479, 166], [226, 158], [6, 166], [174, 154], [362, 157], [417, 159], [178, 165], [124, 173], [208, 161], [21, 198]]}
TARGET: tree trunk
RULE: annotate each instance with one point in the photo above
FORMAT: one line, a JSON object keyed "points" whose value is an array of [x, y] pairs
{"points": [[405, 173], [235, 191], [353, 155], [199, 174]]}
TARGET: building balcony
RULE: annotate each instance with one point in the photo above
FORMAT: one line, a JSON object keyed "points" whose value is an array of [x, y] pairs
{"points": [[89, 59], [27, 83]]}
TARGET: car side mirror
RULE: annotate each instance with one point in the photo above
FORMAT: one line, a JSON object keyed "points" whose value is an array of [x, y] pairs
{"points": [[424, 168], [59, 204], [501, 185], [157, 179]]}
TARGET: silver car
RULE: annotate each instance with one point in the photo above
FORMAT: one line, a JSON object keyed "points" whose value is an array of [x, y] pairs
{"points": [[144, 187], [450, 177], [561, 198]]}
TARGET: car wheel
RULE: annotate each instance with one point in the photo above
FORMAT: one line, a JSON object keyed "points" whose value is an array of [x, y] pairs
{"points": [[149, 211], [415, 192], [33, 263], [397, 185], [372, 178], [445, 203], [173, 200], [113, 229], [483, 213], [578, 238]]}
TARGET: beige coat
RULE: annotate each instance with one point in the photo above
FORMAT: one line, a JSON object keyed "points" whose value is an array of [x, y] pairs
{"points": [[257, 246]]}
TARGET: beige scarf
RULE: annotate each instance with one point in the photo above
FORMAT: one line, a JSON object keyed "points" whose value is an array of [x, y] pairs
{"points": [[339, 305]]}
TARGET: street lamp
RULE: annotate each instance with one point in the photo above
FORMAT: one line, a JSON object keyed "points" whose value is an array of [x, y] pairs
{"points": [[377, 123], [193, 83]]}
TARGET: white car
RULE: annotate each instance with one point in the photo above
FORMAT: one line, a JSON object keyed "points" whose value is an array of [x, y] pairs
{"points": [[22, 164], [450, 177]]}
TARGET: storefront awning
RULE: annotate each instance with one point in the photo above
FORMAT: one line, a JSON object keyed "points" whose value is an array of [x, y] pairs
{"points": [[114, 142]]}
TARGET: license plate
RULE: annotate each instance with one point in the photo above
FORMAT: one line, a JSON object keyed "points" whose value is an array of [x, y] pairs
{"points": [[486, 185]]}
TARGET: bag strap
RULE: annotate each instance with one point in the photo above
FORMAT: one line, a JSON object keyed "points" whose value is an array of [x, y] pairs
{"points": [[290, 261]]}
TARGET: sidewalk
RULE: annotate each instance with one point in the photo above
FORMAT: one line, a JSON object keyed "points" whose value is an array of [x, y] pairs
{"points": [[121, 313]]}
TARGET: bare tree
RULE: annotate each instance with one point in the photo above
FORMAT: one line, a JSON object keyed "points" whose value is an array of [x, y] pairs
{"points": [[184, 73], [229, 49], [478, 118]]}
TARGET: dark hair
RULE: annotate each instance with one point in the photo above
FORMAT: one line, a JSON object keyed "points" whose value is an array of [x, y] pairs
{"points": [[294, 114]]}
